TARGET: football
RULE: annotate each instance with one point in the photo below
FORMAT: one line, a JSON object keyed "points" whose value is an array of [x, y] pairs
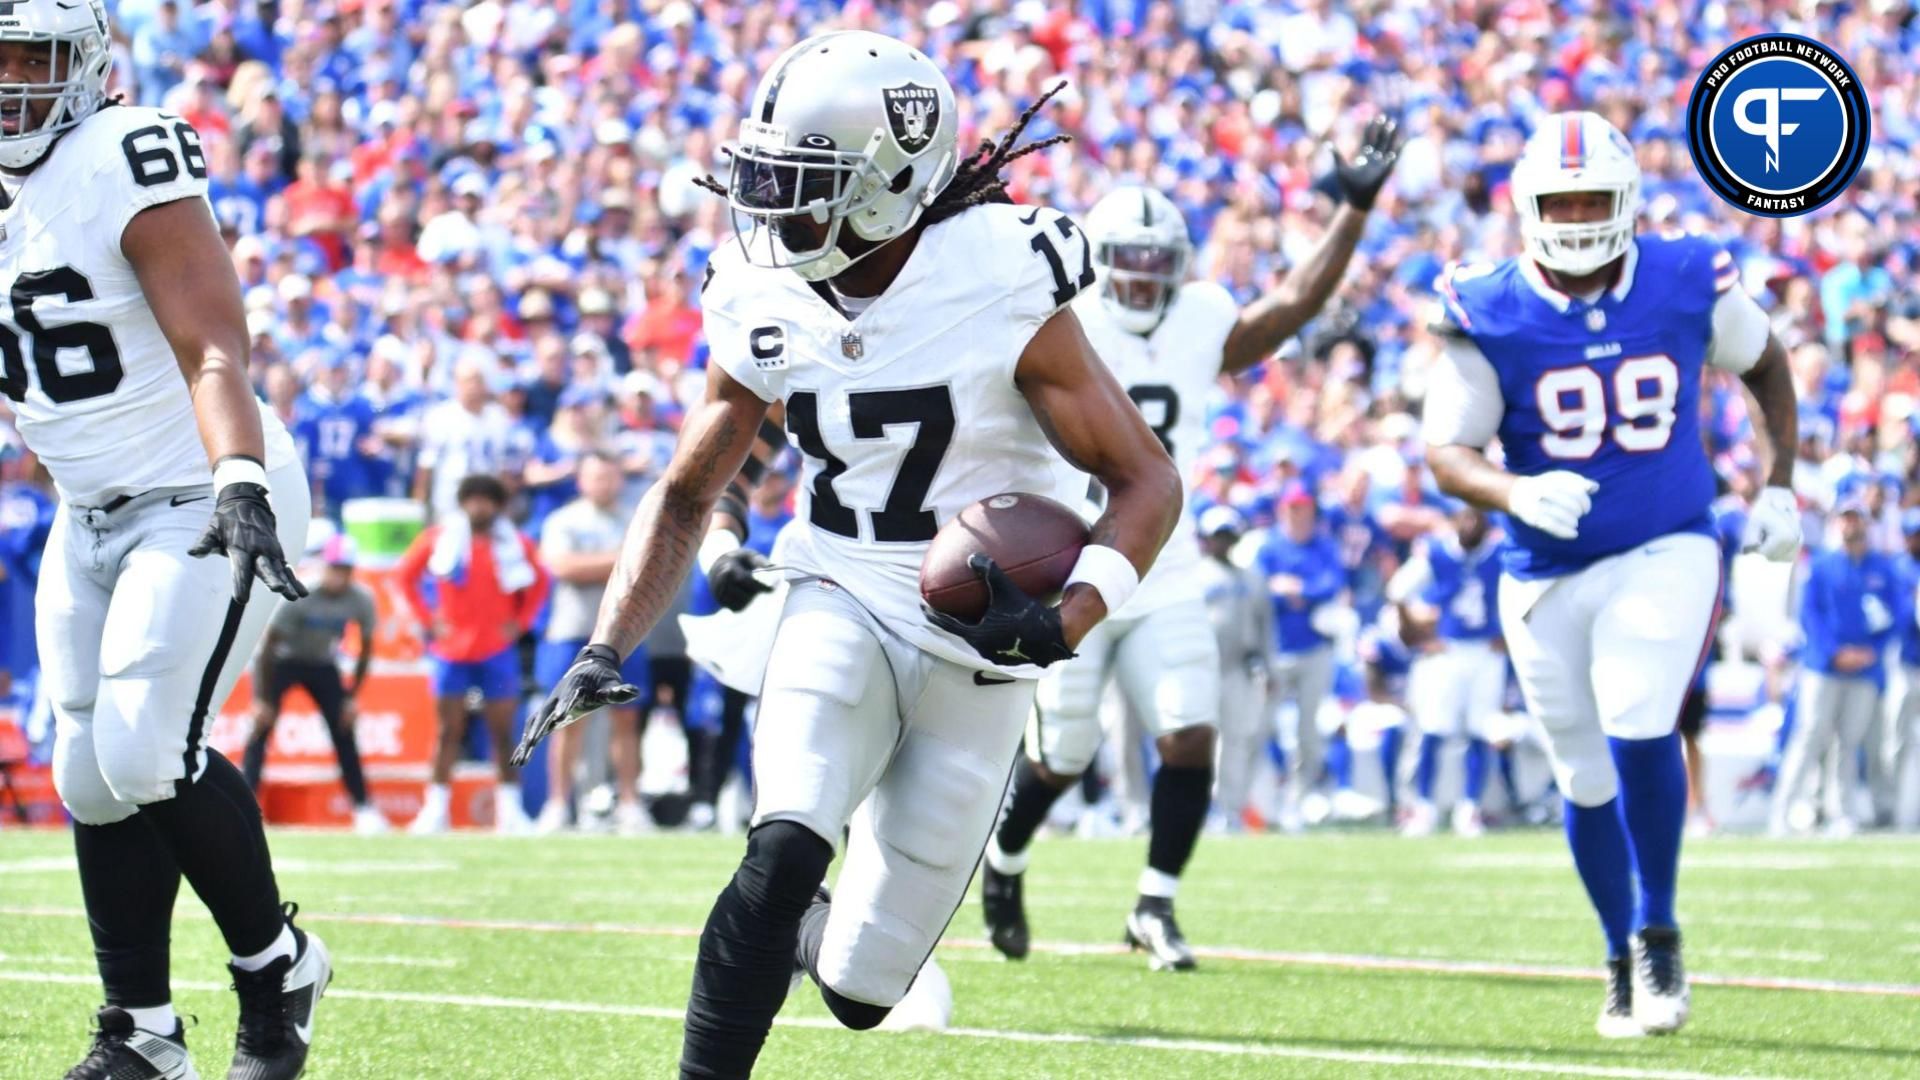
{"points": [[1034, 539]]}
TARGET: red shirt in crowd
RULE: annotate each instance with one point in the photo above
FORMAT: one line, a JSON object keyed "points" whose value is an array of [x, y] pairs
{"points": [[480, 620]]}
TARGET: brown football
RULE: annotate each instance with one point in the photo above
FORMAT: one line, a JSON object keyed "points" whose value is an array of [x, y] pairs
{"points": [[1034, 539]]}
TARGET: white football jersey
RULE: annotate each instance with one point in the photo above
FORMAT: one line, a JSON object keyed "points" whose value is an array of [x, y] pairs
{"points": [[908, 413], [95, 388], [1170, 374]]}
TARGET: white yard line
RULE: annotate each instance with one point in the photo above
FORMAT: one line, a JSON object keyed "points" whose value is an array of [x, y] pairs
{"points": [[356, 960], [1279, 1050], [1356, 961]]}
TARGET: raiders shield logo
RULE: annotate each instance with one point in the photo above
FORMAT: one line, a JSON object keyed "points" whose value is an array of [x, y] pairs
{"points": [[913, 112]]}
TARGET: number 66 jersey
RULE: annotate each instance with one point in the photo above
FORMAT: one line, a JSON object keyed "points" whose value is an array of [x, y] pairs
{"points": [[1605, 386], [94, 385], [907, 412]]}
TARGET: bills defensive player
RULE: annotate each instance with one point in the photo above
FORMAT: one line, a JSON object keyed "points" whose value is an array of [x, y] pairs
{"points": [[1584, 357], [1460, 677], [915, 327], [125, 356], [1168, 341]]}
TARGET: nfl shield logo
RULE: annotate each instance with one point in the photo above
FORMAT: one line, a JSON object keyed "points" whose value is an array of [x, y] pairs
{"points": [[851, 346], [1596, 320]]}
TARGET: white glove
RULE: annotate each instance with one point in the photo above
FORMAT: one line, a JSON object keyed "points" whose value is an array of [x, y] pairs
{"points": [[1552, 502], [1773, 526]]}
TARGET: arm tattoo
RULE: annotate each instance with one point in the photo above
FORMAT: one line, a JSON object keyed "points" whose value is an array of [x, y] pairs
{"points": [[661, 543]]}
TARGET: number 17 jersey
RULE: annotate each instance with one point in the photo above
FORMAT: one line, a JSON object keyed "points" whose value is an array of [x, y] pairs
{"points": [[1608, 388], [95, 388]]}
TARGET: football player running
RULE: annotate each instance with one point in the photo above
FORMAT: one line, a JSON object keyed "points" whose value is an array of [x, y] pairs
{"points": [[1168, 341], [1584, 357], [125, 356], [914, 325]]}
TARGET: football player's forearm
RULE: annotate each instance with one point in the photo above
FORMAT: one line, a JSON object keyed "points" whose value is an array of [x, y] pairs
{"points": [[226, 411], [1771, 383], [1141, 514], [1280, 314], [658, 553], [1465, 473]]}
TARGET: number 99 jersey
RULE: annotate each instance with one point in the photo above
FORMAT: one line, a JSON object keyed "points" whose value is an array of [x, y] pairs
{"points": [[1607, 387], [907, 413], [96, 390], [1169, 373]]}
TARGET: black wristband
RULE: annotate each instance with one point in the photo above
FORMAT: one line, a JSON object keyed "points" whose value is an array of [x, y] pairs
{"points": [[733, 505], [602, 653]]}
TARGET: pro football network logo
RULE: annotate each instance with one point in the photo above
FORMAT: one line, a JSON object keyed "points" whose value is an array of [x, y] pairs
{"points": [[913, 112], [1778, 125]]}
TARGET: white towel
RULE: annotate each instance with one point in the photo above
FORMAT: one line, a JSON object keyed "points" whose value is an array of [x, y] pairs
{"points": [[510, 562]]}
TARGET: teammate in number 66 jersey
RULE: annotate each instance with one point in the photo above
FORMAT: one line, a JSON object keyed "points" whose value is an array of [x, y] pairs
{"points": [[1168, 340], [914, 325], [124, 349], [1584, 357]]}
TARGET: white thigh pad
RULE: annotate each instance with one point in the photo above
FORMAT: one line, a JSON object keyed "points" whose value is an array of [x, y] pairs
{"points": [[1168, 665], [1650, 633]]}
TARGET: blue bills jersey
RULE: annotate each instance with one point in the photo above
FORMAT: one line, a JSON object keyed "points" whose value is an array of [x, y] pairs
{"points": [[1608, 388], [1463, 588]]}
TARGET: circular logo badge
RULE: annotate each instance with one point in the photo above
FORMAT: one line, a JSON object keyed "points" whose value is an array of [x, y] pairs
{"points": [[1778, 125], [1003, 502]]}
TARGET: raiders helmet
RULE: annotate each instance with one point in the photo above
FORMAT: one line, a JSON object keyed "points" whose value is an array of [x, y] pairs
{"points": [[1141, 250], [79, 56], [849, 129], [1576, 151]]}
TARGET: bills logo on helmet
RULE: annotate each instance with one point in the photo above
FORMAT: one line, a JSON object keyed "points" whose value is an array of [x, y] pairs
{"points": [[1778, 125], [913, 111]]}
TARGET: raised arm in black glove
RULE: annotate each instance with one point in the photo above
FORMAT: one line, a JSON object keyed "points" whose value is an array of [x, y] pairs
{"points": [[1361, 177], [591, 684], [1016, 629], [244, 531], [732, 580]]}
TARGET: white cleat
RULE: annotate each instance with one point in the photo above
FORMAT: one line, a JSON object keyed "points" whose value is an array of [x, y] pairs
{"points": [[429, 822], [1616, 1012], [509, 819], [1662, 1000], [553, 817], [369, 821], [928, 1005], [632, 819], [1422, 820], [1468, 821]]}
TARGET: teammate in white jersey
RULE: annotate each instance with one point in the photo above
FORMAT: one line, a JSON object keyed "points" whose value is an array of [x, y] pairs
{"points": [[125, 354], [914, 326], [1168, 341]]}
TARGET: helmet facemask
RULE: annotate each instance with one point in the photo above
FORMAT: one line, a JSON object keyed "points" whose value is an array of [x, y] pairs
{"points": [[1578, 248], [78, 64], [1139, 282], [775, 191]]}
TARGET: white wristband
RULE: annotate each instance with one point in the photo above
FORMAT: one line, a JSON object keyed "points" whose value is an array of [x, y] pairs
{"points": [[238, 470], [718, 542], [1108, 571]]}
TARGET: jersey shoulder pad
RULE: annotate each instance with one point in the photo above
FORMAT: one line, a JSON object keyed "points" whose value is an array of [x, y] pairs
{"points": [[730, 282], [1691, 260], [1468, 297], [1038, 255], [128, 158], [1207, 308], [745, 338]]}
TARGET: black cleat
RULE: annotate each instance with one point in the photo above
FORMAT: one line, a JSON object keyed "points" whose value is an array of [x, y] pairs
{"points": [[1006, 911], [1661, 1000], [1152, 927], [1616, 1013], [277, 1004], [122, 1051]]}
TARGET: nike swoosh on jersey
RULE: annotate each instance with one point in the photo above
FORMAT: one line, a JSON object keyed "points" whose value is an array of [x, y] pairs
{"points": [[182, 500], [980, 679], [1032, 216]]}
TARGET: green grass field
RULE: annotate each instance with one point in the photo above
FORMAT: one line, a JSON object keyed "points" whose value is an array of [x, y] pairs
{"points": [[1341, 955]]}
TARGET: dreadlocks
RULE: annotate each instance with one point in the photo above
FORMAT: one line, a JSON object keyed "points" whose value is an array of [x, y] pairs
{"points": [[976, 182]]}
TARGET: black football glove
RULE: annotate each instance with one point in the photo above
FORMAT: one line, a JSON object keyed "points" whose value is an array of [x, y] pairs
{"points": [[244, 531], [591, 684], [1361, 177], [1015, 629], [732, 580]]}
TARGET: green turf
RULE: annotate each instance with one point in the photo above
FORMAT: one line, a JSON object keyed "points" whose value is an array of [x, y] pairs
{"points": [[611, 997]]}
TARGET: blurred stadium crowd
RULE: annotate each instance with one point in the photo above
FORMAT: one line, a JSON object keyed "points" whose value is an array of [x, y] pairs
{"points": [[471, 242]]}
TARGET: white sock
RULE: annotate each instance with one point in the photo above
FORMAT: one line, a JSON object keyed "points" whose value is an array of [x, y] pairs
{"points": [[1156, 884], [439, 797], [158, 1019], [284, 945], [507, 793], [1004, 863]]}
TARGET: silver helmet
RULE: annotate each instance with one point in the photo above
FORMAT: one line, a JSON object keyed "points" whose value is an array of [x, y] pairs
{"points": [[79, 55], [849, 128], [1140, 250]]}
